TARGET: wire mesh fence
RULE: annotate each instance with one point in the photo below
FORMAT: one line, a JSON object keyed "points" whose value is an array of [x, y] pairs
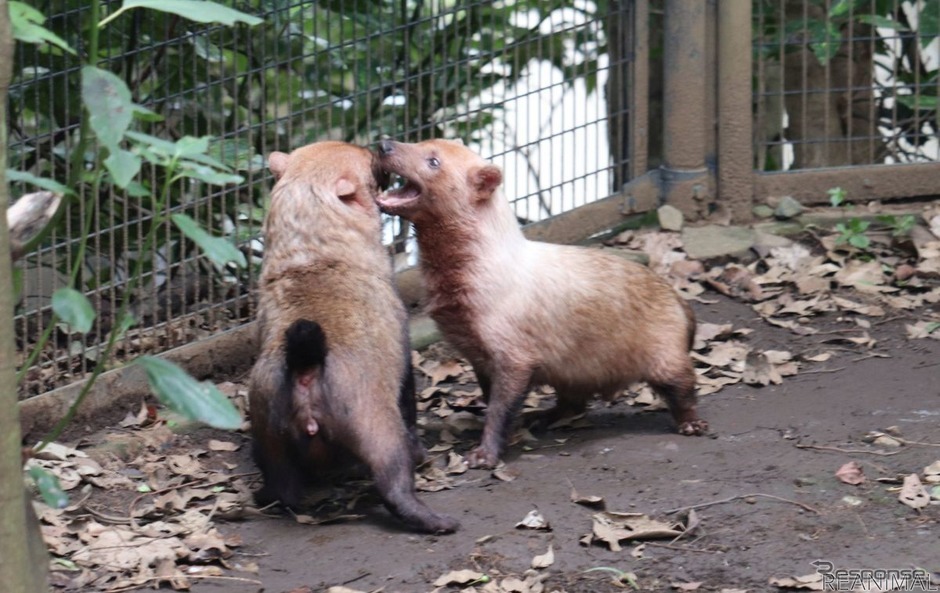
{"points": [[524, 83], [850, 82], [546, 89]]}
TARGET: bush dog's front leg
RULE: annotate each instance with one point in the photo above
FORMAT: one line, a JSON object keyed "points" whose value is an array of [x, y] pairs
{"points": [[507, 392]]}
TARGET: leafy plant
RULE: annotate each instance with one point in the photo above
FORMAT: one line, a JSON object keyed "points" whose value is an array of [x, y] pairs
{"points": [[117, 157], [853, 232]]}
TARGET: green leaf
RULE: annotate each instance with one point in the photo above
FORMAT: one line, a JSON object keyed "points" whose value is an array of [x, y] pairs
{"points": [[836, 196], [928, 21], [860, 241], [881, 21], [27, 27], [932, 327], [40, 182], [191, 146], [183, 394], [219, 250], [842, 7], [49, 487], [109, 105], [828, 43], [74, 308], [918, 102], [208, 175], [200, 11], [123, 166]]}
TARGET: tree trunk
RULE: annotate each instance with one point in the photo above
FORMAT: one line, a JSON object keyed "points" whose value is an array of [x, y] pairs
{"points": [[19, 569], [830, 121]]}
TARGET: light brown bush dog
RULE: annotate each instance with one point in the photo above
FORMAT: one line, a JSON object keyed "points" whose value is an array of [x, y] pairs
{"points": [[527, 313], [334, 374]]}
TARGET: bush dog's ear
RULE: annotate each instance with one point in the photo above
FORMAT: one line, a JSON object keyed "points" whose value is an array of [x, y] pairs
{"points": [[277, 162], [485, 180], [345, 188]]}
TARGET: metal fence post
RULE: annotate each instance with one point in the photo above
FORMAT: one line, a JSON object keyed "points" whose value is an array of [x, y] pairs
{"points": [[685, 177], [735, 148]]}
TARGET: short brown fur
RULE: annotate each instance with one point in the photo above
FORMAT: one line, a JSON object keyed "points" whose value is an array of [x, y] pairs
{"points": [[527, 313], [326, 271]]}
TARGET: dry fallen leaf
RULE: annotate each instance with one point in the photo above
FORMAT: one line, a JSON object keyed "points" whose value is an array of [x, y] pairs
{"points": [[913, 493], [686, 586], [588, 501], [544, 560], [534, 520], [612, 528], [456, 464], [215, 445], [932, 473], [460, 577], [851, 473], [811, 582], [758, 370], [441, 371]]}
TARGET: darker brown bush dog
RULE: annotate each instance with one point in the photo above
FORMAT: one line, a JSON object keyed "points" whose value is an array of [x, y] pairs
{"points": [[527, 313], [333, 378]]}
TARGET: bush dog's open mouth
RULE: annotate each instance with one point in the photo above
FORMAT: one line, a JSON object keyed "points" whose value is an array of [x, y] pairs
{"points": [[401, 192]]}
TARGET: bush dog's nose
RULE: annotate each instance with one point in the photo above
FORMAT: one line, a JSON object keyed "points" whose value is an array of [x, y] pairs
{"points": [[386, 147]]}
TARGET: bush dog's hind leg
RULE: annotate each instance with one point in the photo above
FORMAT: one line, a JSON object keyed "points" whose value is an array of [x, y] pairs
{"points": [[679, 394]]}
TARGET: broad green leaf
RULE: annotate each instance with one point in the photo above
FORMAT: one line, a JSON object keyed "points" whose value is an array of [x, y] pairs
{"points": [[209, 175], [74, 308], [183, 394], [41, 182], [27, 27], [882, 21], [158, 144], [166, 149], [49, 487], [201, 11], [123, 166], [190, 146], [928, 20], [842, 7], [219, 250], [836, 196], [860, 241], [922, 102], [109, 105]]}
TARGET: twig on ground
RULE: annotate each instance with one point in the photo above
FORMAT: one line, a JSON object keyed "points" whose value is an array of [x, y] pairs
{"points": [[681, 548], [918, 443], [841, 450], [805, 507], [818, 371], [189, 576], [889, 319], [139, 497]]}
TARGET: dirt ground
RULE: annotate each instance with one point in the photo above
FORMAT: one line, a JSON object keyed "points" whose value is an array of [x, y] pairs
{"points": [[766, 500]]}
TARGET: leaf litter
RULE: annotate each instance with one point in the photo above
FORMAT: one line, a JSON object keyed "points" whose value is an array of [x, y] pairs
{"points": [[165, 534]]}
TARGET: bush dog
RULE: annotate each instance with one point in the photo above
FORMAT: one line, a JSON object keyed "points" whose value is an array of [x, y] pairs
{"points": [[526, 313], [334, 374]]}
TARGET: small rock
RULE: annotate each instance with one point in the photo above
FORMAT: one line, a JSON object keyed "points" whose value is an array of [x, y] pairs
{"points": [[762, 211], [710, 241], [788, 208], [904, 272], [670, 218]]}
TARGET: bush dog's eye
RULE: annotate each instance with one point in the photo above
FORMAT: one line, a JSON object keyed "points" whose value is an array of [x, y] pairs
{"points": [[434, 163]]}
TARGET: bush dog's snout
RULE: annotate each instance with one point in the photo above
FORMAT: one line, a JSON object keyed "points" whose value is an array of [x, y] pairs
{"points": [[386, 147]]}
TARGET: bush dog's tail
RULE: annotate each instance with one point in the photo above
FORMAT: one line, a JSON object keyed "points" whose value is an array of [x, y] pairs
{"points": [[305, 346]]}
